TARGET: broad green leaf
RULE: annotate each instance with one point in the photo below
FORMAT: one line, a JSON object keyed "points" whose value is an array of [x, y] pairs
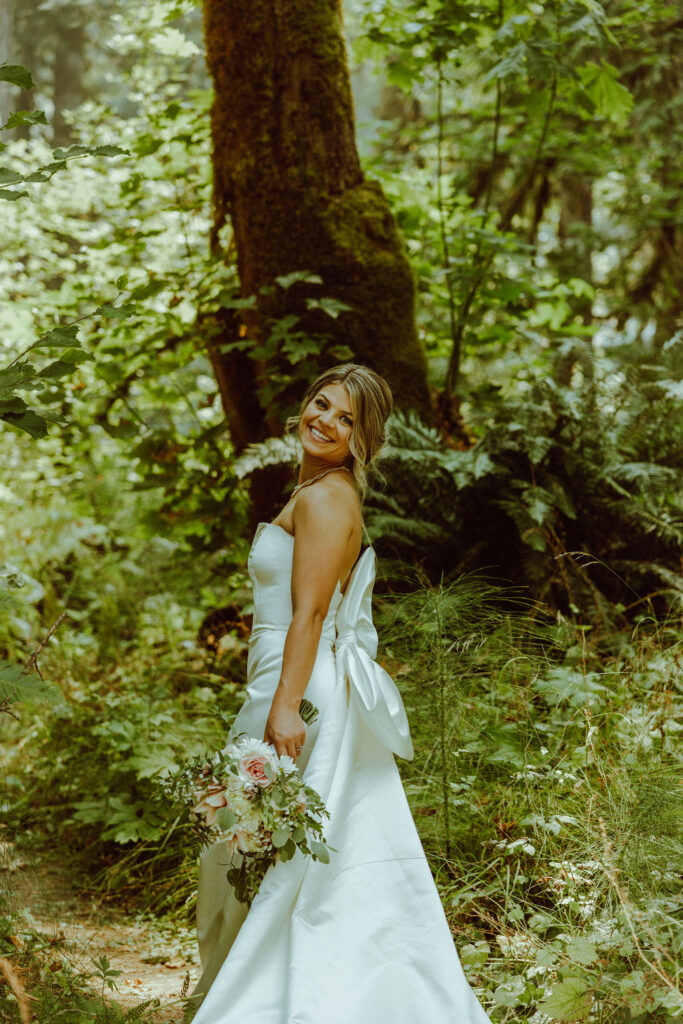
{"points": [[299, 347], [117, 312], [29, 422], [280, 837], [10, 196], [108, 151], [61, 154], [16, 74], [475, 955], [157, 761], [482, 465], [91, 811], [76, 356], [225, 818], [56, 370], [577, 286], [540, 922], [582, 951], [569, 1000], [289, 848], [229, 301], [14, 404], [510, 993], [22, 117], [9, 177], [333, 307], [342, 352], [552, 313], [60, 337], [320, 851], [298, 276], [612, 100], [132, 830]]}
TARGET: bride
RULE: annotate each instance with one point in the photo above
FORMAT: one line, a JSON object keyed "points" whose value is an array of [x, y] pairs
{"points": [[363, 939]]}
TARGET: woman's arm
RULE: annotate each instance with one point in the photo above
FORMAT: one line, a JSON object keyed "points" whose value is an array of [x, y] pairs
{"points": [[323, 524]]}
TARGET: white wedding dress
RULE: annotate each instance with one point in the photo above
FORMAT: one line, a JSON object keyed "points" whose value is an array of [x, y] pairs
{"points": [[363, 939]]}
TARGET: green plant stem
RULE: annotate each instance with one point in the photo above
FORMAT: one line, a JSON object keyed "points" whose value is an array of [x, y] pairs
{"points": [[441, 684]]}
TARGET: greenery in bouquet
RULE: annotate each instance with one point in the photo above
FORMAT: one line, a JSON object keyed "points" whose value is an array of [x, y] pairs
{"points": [[254, 802]]}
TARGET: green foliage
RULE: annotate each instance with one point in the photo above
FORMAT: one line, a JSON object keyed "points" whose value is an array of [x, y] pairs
{"points": [[17, 685], [532, 160], [575, 492], [58, 987], [135, 693], [544, 789], [21, 375]]}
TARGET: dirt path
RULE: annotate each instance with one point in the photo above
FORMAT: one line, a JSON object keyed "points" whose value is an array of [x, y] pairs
{"points": [[154, 958]]}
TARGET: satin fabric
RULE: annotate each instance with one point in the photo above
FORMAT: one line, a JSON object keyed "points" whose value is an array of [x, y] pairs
{"points": [[363, 939]]}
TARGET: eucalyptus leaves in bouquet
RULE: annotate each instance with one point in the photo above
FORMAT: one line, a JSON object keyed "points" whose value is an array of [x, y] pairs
{"points": [[254, 802]]}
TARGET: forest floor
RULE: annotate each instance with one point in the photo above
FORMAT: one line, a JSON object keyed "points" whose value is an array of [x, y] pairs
{"points": [[153, 958]]}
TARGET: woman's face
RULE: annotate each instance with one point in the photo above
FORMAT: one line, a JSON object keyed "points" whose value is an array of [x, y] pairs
{"points": [[326, 425]]}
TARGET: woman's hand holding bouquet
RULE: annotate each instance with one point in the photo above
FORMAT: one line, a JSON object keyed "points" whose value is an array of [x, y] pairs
{"points": [[257, 804]]}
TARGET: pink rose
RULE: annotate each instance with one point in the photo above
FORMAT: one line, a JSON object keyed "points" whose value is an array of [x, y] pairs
{"points": [[253, 768]]}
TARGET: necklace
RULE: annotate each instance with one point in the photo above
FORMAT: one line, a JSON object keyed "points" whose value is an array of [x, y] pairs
{"points": [[313, 479]]}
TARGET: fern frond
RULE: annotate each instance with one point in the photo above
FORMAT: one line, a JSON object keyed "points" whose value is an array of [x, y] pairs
{"points": [[406, 431], [136, 1013], [402, 528], [275, 451], [14, 685], [665, 575], [641, 473]]}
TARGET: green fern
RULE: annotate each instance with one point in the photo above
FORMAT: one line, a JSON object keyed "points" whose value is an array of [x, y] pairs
{"points": [[275, 451], [137, 1013], [16, 685], [596, 468]]}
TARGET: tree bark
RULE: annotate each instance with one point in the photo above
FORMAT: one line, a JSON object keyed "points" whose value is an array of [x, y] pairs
{"points": [[288, 176], [67, 75], [7, 56]]}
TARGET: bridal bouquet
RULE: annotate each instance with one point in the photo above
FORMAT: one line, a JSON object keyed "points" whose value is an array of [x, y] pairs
{"points": [[257, 804]]}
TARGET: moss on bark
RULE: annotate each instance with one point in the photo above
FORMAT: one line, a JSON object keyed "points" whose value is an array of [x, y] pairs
{"points": [[287, 173]]}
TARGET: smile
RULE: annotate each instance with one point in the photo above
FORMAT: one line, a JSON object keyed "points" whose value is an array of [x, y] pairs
{"points": [[317, 435]]}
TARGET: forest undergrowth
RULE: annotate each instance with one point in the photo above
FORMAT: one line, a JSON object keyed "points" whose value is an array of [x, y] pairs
{"points": [[543, 785], [529, 154]]}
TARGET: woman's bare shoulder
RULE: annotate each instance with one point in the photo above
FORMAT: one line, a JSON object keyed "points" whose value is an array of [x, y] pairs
{"points": [[333, 501]]}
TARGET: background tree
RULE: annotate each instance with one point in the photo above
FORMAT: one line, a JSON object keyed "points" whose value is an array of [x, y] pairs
{"points": [[287, 174]]}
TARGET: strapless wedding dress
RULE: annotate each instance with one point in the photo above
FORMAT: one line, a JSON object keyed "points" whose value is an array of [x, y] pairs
{"points": [[363, 939]]}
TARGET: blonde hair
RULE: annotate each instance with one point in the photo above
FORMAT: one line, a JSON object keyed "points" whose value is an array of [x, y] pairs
{"points": [[371, 404]]}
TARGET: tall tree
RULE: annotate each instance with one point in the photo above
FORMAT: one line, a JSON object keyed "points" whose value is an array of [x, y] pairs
{"points": [[287, 174], [7, 56]]}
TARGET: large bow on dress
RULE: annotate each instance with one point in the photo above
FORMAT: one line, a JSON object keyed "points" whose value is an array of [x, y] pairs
{"points": [[373, 691]]}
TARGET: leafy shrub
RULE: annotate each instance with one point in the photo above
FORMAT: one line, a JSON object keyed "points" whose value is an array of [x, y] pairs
{"points": [[544, 787], [574, 492]]}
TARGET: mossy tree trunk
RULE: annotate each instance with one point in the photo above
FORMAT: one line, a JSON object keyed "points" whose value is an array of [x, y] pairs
{"points": [[287, 175]]}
